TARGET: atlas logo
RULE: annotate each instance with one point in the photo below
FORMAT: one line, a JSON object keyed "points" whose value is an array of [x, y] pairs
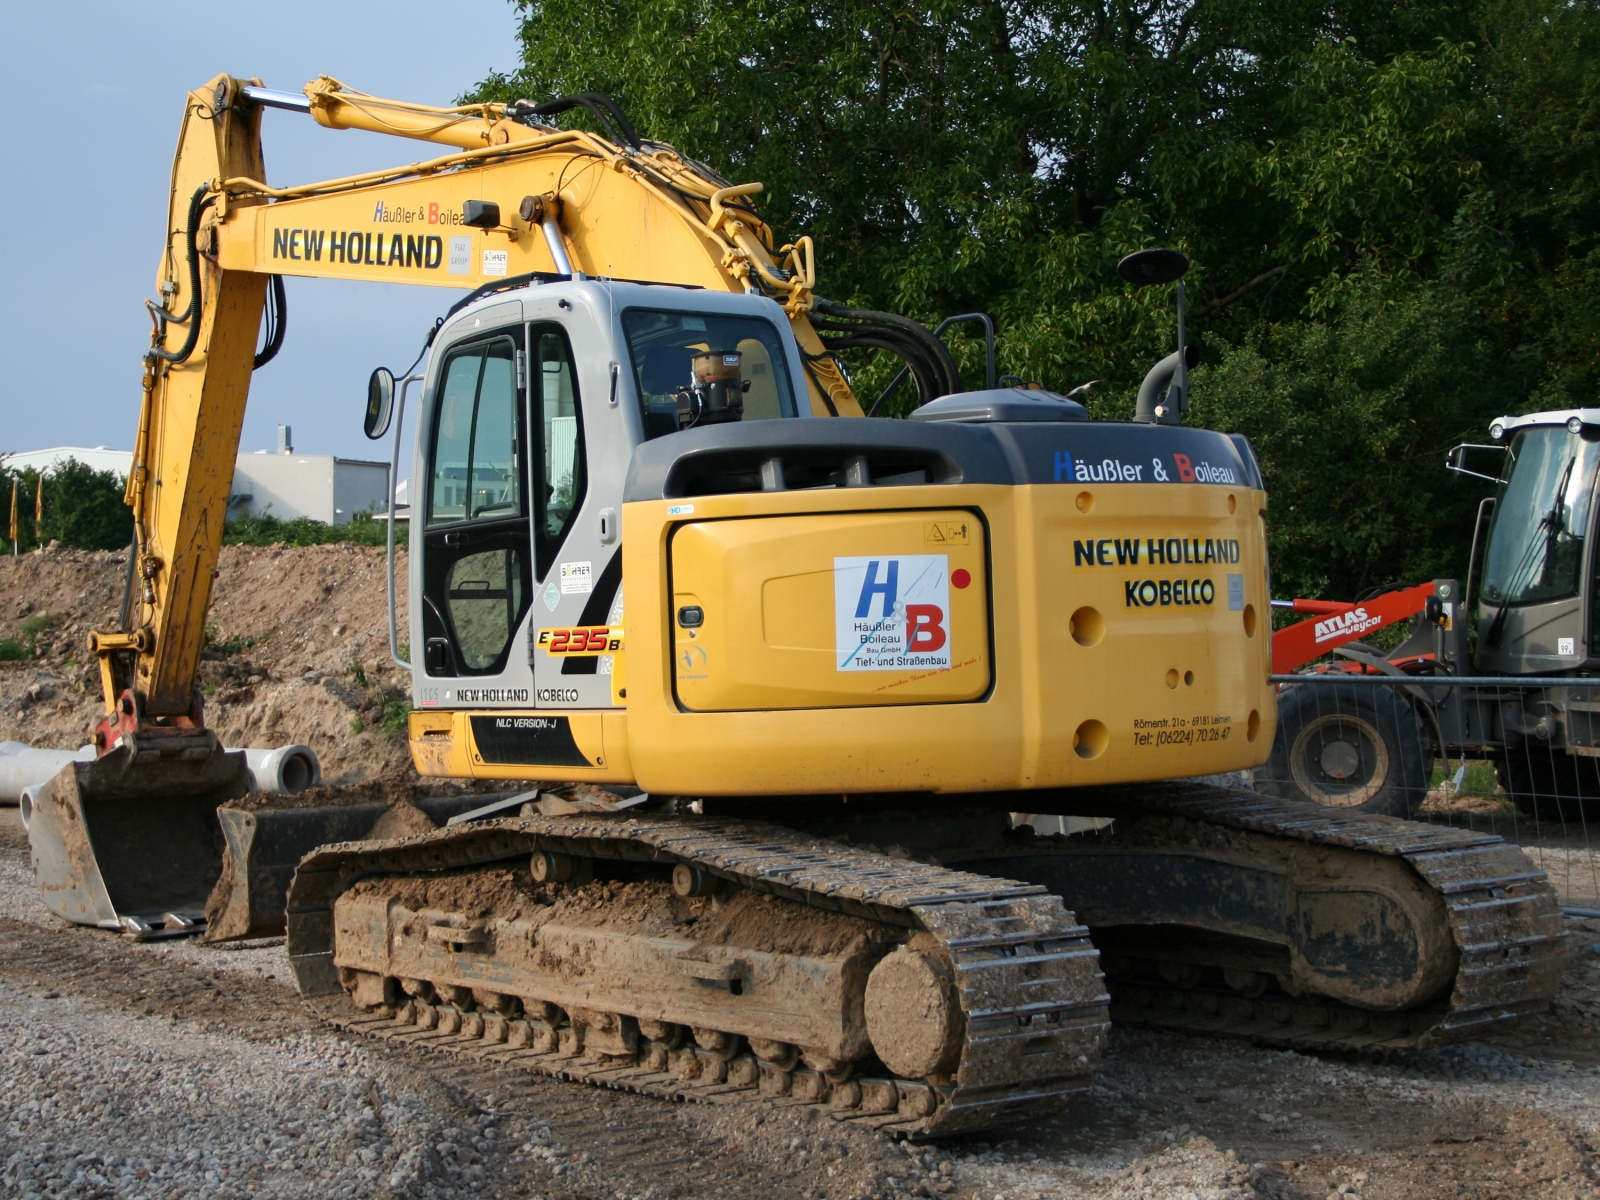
{"points": [[1344, 624], [892, 612]]}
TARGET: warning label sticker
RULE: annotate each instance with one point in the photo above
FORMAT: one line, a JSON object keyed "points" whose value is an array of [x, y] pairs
{"points": [[892, 612], [946, 533]]}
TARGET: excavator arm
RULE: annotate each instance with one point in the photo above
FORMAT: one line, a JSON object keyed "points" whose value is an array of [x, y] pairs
{"points": [[514, 196]]}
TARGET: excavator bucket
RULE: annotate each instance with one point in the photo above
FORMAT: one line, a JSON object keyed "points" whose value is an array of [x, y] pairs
{"points": [[130, 841], [147, 840], [266, 838]]}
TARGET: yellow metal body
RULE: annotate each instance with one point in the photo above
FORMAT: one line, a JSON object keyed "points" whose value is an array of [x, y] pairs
{"points": [[1040, 670], [647, 214], [768, 584], [189, 425], [1058, 677]]}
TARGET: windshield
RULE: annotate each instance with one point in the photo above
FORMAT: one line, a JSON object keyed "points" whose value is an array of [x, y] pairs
{"points": [[1541, 517], [662, 343]]}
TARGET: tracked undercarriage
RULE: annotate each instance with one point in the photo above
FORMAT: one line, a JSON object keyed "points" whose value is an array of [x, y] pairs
{"points": [[1234, 914], [715, 958], [929, 1000]]}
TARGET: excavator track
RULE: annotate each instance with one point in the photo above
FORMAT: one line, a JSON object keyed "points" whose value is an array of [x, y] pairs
{"points": [[1032, 1017], [1504, 921]]}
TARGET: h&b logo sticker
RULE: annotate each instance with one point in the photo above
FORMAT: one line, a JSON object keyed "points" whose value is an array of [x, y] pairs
{"points": [[892, 612]]}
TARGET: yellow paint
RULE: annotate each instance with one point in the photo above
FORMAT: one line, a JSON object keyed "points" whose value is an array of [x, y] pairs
{"points": [[1063, 710], [766, 587]]}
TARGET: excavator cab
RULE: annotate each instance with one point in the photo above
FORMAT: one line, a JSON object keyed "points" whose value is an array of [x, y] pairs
{"points": [[1537, 587], [532, 407]]}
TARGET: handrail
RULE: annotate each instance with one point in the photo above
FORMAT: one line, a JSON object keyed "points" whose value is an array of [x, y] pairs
{"points": [[394, 471]]}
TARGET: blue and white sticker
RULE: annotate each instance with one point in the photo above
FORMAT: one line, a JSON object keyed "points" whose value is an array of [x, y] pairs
{"points": [[680, 510], [1235, 593], [552, 597], [892, 612]]}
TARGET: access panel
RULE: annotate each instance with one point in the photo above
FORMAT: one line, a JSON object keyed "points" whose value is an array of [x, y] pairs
{"points": [[830, 610]]}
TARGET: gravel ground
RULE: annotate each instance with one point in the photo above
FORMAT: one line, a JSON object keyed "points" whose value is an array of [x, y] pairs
{"points": [[175, 1070]]}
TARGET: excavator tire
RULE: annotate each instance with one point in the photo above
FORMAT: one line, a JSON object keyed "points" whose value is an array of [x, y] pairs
{"points": [[1348, 747], [709, 960]]}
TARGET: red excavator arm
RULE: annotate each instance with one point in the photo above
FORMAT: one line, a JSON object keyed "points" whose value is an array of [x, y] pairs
{"points": [[1335, 623]]}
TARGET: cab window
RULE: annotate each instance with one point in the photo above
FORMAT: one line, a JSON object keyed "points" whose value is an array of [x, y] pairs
{"points": [[474, 463], [560, 486], [661, 345], [477, 565]]}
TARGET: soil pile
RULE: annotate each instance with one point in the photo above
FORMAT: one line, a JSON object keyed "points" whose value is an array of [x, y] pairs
{"points": [[297, 651]]}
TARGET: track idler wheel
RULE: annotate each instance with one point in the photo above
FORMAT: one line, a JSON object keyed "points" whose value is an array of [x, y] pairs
{"points": [[914, 1017]]}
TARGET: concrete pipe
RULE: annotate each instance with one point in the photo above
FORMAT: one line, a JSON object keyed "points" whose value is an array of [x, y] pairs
{"points": [[22, 766], [284, 770], [25, 803]]}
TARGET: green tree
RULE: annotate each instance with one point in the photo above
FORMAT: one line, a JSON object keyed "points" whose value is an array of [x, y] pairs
{"points": [[84, 509]]}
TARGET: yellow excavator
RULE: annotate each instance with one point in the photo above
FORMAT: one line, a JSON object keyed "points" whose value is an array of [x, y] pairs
{"points": [[785, 863]]}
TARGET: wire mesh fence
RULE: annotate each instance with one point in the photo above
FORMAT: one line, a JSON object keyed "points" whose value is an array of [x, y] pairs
{"points": [[1516, 758]]}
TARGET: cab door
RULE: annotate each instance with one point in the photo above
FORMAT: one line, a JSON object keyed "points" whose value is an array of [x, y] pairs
{"points": [[477, 567]]}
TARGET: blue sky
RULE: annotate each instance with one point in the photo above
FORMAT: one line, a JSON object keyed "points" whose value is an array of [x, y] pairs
{"points": [[93, 93]]}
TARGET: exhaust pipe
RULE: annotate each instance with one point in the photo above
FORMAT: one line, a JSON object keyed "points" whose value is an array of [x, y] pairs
{"points": [[1153, 391]]}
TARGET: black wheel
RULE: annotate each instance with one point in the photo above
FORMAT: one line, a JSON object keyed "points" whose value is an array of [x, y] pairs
{"points": [[1348, 746], [1550, 784]]}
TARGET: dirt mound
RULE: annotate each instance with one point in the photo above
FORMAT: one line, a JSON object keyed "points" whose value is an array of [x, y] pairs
{"points": [[403, 819], [299, 652]]}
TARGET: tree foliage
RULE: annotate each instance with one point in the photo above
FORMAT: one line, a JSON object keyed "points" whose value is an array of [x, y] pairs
{"points": [[1392, 210], [82, 508]]}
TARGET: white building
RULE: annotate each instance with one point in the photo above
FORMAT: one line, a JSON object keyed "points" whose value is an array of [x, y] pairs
{"points": [[284, 485]]}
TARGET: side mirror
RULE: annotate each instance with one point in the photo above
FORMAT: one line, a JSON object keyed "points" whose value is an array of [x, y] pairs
{"points": [[1160, 265], [380, 403]]}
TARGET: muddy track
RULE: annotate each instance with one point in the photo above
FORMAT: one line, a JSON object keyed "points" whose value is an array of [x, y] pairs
{"points": [[674, 1149], [69, 960], [1033, 1007]]}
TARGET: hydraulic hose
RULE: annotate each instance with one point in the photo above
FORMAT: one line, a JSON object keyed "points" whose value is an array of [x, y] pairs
{"points": [[198, 203], [926, 359], [948, 377], [597, 104], [278, 323]]}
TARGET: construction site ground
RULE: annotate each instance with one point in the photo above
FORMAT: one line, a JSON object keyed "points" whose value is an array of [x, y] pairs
{"points": [[172, 1069]]}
